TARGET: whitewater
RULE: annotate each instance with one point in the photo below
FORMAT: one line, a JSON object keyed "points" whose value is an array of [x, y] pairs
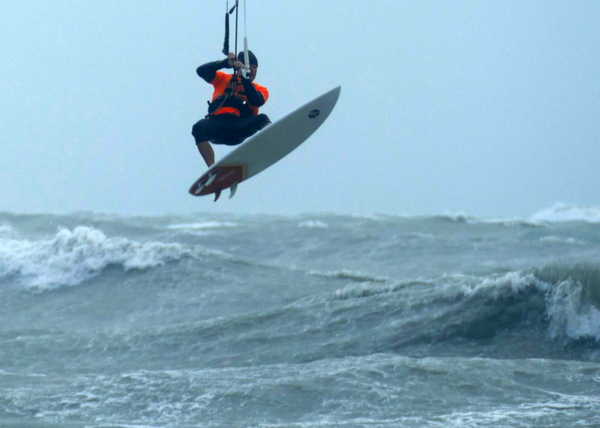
{"points": [[300, 321]]}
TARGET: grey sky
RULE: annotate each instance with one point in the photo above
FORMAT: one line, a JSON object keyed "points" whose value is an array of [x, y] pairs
{"points": [[487, 108]]}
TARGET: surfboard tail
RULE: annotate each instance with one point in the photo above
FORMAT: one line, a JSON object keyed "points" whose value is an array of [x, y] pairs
{"points": [[216, 179]]}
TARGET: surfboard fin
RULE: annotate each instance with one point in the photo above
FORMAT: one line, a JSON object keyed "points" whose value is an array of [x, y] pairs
{"points": [[217, 195], [232, 190]]}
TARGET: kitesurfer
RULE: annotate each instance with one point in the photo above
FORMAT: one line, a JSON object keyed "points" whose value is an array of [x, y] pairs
{"points": [[233, 110]]}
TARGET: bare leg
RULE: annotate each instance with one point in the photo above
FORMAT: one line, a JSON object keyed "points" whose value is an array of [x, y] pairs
{"points": [[207, 152]]}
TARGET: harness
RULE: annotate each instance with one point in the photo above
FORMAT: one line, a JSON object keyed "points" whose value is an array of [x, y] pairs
{"points": [[229, 97]]}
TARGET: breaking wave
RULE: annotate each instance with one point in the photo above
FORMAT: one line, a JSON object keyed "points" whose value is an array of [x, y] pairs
{"points": [[562, 212], [74, 256], [560, 303]]}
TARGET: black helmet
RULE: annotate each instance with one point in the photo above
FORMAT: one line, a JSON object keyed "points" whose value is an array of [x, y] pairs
{"points": [[251, 57]]}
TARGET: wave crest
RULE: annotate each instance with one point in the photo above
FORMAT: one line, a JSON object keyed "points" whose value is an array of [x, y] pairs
{"points": [[561, 212], [573, 301], [74, 256]]}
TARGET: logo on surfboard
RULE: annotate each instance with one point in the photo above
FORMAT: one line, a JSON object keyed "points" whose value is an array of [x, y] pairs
{"points": [[314, 113]]}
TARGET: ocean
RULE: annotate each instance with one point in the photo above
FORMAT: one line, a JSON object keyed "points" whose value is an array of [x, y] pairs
{"points": [[303, 321]]}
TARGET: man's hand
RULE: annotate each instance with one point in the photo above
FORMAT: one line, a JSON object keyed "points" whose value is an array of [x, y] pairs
{"points": [[233, 62], [231, 59]]}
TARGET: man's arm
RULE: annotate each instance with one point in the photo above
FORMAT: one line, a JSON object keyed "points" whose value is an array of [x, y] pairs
{"points": [[209, 70], [255, 97]]}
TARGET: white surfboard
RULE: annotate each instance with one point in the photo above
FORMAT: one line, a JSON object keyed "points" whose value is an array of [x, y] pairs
{"points": [[266, 147]]}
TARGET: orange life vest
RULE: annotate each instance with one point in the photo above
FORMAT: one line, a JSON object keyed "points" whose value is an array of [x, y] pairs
{"points": [[231, 104]]}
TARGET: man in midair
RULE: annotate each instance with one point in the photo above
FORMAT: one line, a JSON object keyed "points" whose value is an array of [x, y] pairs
{"points": [[233, 112]]}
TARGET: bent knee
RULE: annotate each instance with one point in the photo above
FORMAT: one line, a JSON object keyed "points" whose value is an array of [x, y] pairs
{"points": [[264, 118], [197, 130], [262, 121]]}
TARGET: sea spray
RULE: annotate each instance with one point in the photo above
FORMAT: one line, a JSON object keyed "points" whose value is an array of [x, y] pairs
{"points": [[74, 256]]}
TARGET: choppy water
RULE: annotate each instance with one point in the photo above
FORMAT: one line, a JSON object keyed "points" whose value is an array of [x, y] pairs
{"points": [[304, 321]]}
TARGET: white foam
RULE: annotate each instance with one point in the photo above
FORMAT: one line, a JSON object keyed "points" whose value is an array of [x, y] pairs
{"points": [[6, 229], [560, 240], [358, 291], [570, 314], [496, 286], [73, 256], [313, 224], [523, 415], [561, 212]]}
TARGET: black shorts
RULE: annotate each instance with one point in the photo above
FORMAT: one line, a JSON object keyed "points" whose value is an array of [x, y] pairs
{"points": [[227, 128]]}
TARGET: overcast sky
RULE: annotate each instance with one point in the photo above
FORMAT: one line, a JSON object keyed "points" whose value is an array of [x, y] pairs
{"points": [[480, 107]]}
